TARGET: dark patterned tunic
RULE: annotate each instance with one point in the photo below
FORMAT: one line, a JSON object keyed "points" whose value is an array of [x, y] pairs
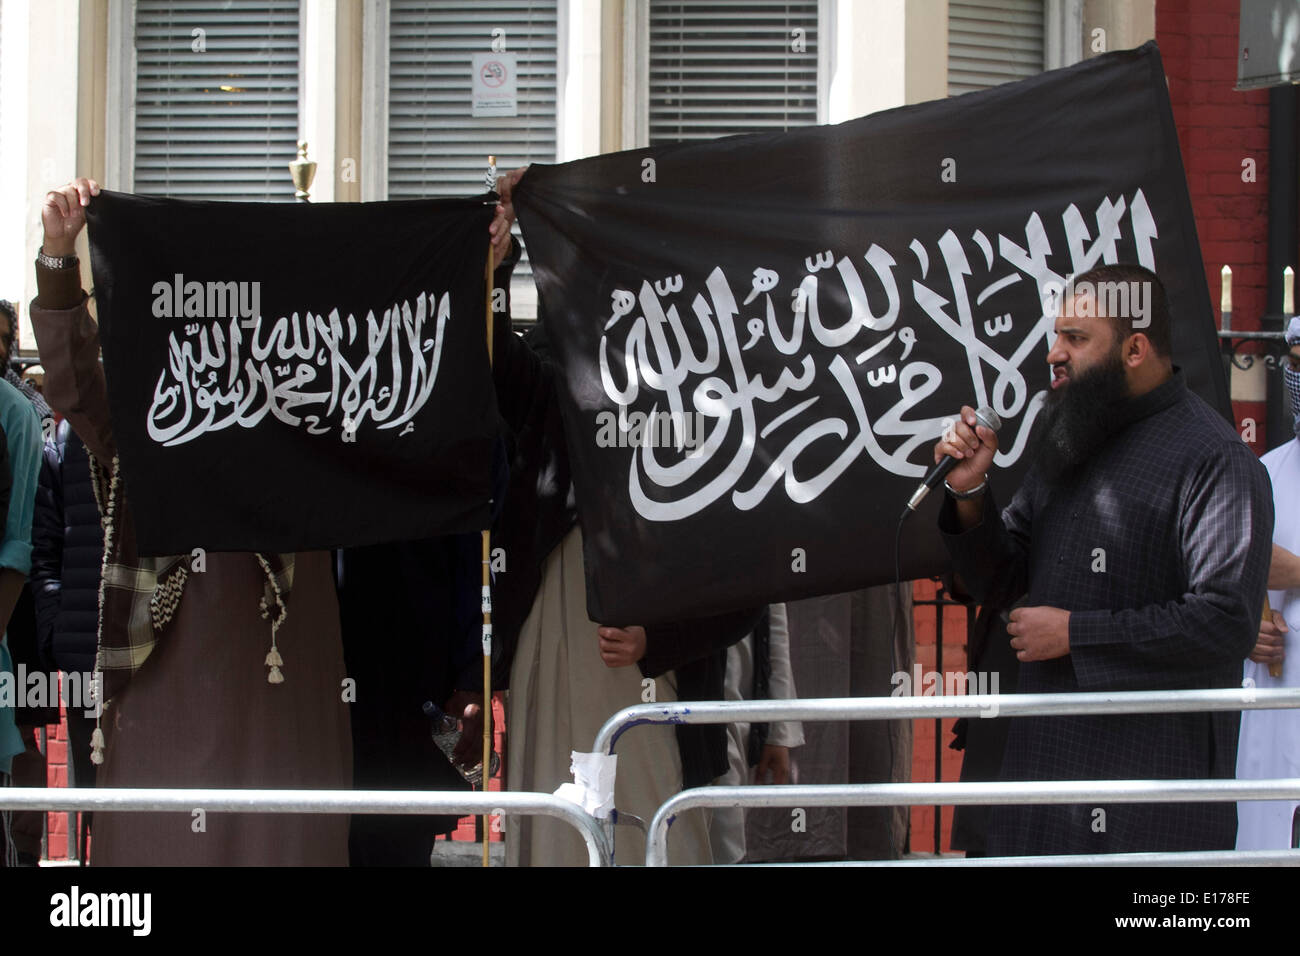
{"points": [[1159, 548]]}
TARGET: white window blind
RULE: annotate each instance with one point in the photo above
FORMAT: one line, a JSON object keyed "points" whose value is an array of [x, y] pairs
{"points": [[220, 123], [992, 42], [724, 66], [435, 147]]}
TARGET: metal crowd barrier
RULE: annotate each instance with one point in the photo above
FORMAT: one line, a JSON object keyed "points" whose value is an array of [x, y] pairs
{"points": [[313, 801], [961, 705], [958, 705], [1190, 858], [598, 836], [952, 794]]}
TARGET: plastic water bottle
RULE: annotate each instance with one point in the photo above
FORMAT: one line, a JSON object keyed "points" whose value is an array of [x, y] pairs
{"points": [[446, 735]]}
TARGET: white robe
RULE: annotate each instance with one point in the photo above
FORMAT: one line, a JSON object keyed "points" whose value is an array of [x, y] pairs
{"points": [[561, 693], [727, 824], [1270, 739]]}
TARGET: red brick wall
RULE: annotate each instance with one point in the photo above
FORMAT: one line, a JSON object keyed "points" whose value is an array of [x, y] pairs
{"points": [[1219, 128], [56, 775], [466, 830], [954, 659]]}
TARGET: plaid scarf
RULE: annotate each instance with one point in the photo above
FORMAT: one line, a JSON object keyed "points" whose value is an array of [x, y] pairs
{"points": [[138, 596], [29, 391]]}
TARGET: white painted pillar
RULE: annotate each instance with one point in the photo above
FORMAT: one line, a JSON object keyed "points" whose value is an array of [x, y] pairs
{"points": [[40, 63], [884, 54], [578, 103]]}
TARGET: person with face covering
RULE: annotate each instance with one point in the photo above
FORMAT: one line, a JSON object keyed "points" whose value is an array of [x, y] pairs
{"points": [[1270, 739], [1140, 539]]}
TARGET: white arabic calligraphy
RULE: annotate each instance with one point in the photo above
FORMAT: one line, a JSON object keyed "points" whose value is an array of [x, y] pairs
{"points": [[217, 377], [769, 418]]}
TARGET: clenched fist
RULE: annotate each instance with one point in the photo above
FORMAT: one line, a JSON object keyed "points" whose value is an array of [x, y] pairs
{"points": [[972, 445], [505, 213]]}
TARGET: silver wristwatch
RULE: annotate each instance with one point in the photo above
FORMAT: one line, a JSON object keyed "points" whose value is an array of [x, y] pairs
{"points": [[55, 262]]}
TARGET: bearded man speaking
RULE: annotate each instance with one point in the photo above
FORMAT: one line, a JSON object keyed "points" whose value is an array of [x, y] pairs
{"points": [[1135, 554]]}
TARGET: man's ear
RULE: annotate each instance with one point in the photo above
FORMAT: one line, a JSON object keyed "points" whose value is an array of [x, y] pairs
{"points": [[1137, 349]]}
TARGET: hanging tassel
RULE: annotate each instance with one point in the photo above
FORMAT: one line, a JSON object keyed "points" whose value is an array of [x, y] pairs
{"points": [[275, 662], [273, 609], [106, 499]]}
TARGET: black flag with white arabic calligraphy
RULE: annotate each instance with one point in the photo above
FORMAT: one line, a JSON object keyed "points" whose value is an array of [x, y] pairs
{"points": [[288, 377], [762, 336]]}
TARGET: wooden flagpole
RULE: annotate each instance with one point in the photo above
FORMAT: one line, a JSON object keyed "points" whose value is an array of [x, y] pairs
{"points": [[1274, 670], [487, 584]]}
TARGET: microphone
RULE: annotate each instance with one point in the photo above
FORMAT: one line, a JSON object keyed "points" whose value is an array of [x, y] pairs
{"points": [[984, 416]]}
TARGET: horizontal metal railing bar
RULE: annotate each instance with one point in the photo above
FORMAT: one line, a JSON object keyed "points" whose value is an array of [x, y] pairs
{"points": [[415, 802], [949, 705], [954, 794], [1189, 858], [1244, 334]]}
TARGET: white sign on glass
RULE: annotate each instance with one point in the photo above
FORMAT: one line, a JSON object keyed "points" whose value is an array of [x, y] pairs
{"points": [[495, 85]]}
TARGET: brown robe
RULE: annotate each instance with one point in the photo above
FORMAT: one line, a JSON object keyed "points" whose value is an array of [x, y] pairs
{"points": [[200, 712]]}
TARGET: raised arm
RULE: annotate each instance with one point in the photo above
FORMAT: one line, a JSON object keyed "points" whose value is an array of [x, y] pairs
{"points": [[525, 382], [66, 336], [990, 551]]}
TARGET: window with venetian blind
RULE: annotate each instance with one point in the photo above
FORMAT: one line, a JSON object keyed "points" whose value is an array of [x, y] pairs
{"points": [[216, 112], [717, 68], [991, 42], [436, 147]]}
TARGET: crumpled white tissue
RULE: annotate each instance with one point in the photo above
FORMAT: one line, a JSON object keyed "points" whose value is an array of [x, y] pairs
{"points": [[593, 786]]}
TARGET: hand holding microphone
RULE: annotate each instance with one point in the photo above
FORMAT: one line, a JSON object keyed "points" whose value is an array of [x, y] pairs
{"points": [[963, 454], [971, 441]]}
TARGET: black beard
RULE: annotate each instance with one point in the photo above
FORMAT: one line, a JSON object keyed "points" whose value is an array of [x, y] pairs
{"points": [[1080, 418]]}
